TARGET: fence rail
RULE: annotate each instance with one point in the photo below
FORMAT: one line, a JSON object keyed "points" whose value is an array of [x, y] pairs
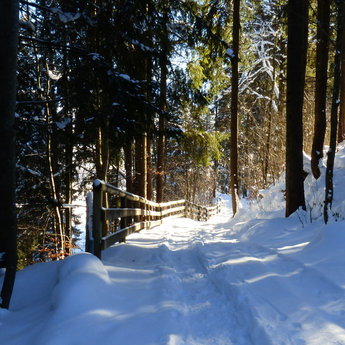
{"points": [[130, 213]]}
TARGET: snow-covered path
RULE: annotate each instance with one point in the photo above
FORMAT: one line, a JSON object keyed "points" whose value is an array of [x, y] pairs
{"points": [[175, 291], [237, 282], [258, 278]]}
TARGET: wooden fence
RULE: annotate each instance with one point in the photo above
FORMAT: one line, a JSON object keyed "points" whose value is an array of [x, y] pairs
{"points": [[130, 213]]}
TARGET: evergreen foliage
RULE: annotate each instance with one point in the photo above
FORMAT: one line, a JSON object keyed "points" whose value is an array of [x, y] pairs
{"points": [[138, 93]]}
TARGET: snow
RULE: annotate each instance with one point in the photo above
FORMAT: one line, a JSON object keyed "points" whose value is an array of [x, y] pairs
{"points": [[229, 52], [62, 124], [54, 75], [256, 278], [65, 17]]}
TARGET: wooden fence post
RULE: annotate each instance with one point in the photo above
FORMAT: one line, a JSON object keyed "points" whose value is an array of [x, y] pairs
{"points": [[148, 215]]}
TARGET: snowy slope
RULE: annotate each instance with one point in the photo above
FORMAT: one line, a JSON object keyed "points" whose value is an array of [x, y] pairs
{"points": [[257, 278]]}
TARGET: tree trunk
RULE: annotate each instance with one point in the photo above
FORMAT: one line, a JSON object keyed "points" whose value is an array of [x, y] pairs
{"points": [[322, 38], [334, 111], [270, 111], [8, 65], [234, 108], [141, 166], [296, 65], [102, 153], [341, 128], [69, 162], [149, 170], [163, 61], [128, 166], [58, 228], [68, 189], [102, 163]]}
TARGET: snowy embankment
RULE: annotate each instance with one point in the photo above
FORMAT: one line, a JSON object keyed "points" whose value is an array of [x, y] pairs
{"points": [[257, 278]]}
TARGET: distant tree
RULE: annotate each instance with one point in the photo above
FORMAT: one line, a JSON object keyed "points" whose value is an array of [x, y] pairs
{"points": [[8, 64], [296, 66], [322, 39], [334, 111]]}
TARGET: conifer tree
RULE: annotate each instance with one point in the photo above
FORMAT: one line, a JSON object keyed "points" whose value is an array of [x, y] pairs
{"points": [[296, 66], [234, 108]]}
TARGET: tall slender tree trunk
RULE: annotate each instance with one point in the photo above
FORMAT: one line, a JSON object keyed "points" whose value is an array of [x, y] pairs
{"points": [[163, 61], [296, 65], [141, 165], [57, 222], [68, 188], [149, 169], [270, 112], [161, 144], [334, 111], [234, 108], [69, 162], [161, 141], [149, 96], [341, 127], [128, 166], [323, 12], [8, 65], [54, 195], [102, 152]]}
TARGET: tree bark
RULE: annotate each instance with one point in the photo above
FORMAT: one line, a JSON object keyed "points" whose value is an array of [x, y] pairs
{"points": [[296, 66], [8, 65], [68, 188], [149, 170], [128, 166], [323, 13], [234, 108], [69, 162], [270, 112], [341, 127], [57, 221], [334, 111], [163, 61], [140, 166]]}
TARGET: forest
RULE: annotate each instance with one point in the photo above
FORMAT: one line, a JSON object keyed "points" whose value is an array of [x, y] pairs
{"points": [[170, 100]]}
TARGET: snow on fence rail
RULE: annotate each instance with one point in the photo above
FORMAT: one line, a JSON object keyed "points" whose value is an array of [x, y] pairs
{"points": [[130, 213]]}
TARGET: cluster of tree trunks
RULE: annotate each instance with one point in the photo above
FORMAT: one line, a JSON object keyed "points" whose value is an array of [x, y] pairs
{"points": [[297, 50]]}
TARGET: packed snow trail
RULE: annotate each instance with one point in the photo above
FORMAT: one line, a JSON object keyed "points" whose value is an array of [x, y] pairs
{"points": [[179, 290], [257, 278]]}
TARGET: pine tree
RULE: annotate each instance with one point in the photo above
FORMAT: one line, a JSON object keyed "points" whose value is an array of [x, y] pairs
{"points": [[234, 108], [296, 66]]}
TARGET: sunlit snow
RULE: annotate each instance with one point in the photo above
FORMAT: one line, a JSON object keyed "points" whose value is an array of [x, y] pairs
{"points": [[258, 278]]}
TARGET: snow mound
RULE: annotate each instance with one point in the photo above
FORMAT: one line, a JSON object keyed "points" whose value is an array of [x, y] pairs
{"points": [[272, 200], [81, 281]]}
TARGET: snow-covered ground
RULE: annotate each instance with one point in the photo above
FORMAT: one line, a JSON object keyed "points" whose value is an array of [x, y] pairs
{"points": [[257, 278]]}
